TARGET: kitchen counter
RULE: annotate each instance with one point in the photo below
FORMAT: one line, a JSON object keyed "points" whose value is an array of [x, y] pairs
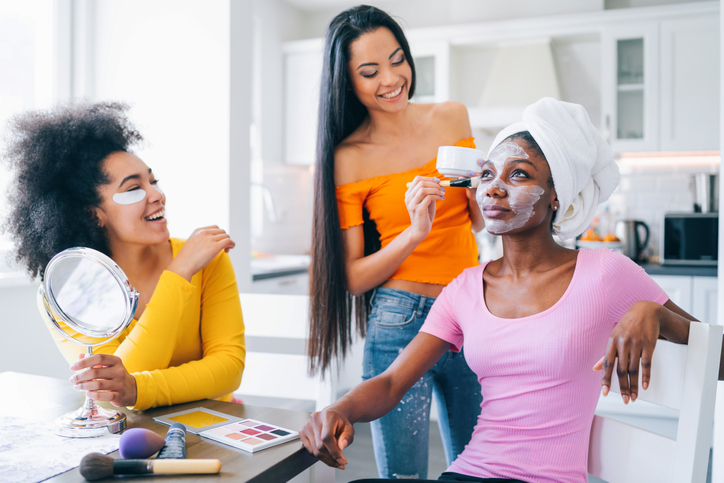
{"points": [[682, 270], [275, 266]]}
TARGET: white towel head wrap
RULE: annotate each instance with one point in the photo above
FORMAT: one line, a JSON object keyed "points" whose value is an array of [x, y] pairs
{"points": [[582, 165]]}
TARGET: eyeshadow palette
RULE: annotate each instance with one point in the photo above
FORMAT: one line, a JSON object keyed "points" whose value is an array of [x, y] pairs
{"points": [[250, 435], [198, 419]]}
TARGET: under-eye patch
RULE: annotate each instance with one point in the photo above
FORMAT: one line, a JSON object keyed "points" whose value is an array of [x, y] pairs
{"points": [[130, 197], [135, 196]]}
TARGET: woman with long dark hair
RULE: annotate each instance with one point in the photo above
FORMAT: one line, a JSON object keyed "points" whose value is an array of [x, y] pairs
{"points": [[382, 252]]}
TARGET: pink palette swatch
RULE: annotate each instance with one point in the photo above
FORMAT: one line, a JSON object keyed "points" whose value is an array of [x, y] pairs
{"points": [[250, 435]]}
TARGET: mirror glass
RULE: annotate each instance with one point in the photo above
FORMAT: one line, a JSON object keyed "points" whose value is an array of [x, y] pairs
{"points": [[89, 295]]}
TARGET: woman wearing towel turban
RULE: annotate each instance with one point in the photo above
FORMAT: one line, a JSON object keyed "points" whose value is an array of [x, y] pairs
{"points": [[535, 322]]}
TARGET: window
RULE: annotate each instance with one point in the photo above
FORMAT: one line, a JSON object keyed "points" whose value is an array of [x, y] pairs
{"points": [[27, 76]]}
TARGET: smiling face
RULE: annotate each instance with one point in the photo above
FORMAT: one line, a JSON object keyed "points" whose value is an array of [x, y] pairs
{"points": [[379, 72], [516, 191], [127, 215]]}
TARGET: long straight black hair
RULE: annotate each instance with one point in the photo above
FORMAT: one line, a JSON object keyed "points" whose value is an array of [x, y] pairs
{"points": [[332, 308]]}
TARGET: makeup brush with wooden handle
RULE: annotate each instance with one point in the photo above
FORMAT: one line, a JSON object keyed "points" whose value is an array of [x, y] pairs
{"points": [[95, 466]]}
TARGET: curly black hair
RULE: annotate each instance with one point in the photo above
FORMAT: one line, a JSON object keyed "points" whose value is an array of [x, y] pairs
{"points": [[56, 157]]}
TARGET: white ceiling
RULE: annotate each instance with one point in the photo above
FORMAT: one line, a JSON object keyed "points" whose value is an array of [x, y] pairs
{"points": [[321, 4]]}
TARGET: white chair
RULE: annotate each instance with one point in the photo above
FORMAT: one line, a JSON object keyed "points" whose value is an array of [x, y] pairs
{"points": [[684, 378]]}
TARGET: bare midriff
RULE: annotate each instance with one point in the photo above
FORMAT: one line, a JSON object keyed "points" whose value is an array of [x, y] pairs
{"points": [[426, 289]]}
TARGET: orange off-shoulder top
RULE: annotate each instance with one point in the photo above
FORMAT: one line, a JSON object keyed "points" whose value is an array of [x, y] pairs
{"points": [[447, 250]]}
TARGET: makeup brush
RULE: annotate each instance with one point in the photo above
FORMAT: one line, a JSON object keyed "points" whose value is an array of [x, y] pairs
{"points": [[462, 183], [95, 466], [459, 183]]}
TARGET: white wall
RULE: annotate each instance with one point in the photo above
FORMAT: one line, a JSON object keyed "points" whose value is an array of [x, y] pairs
{"points": [[169, 59]]}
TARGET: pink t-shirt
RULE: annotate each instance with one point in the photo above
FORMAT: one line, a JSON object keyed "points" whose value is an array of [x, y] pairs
{"points": [[539, 389]]}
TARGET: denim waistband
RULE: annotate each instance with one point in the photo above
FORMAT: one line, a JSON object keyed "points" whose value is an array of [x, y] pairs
{"points": [[401, 297]]}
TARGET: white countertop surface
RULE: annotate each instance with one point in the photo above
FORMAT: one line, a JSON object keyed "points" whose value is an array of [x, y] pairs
{"points": [[279, 263]]}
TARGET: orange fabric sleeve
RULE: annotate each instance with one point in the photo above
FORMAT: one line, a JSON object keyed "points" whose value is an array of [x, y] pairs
{"points": [[350, 203]]}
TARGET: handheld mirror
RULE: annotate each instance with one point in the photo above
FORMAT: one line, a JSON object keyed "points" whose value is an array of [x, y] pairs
{"points": [[89, 301]]}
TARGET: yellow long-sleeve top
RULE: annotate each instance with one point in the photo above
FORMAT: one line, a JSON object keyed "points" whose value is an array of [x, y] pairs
{"points": [[189, 342]]}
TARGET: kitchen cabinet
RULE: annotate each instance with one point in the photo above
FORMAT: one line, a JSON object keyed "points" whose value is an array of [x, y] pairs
{"points": [[302, 75], [432, 67], [678, 288], [695, 295], [630, 83], [660, 86], [659, 81], [704, 299], [690, 84]]}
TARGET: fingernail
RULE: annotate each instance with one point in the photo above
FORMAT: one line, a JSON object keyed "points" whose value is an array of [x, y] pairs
{"points": [[77, 387], [74, 367], [605, 390], [437, 179], [625, 399], [470, 173], [645, 385], [633, 397]]}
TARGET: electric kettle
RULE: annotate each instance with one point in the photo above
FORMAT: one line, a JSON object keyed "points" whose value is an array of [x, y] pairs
{"points": [[628, 231]]}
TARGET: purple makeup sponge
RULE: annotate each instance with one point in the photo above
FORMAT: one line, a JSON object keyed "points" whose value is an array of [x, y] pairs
{"points": [[139, 443]]}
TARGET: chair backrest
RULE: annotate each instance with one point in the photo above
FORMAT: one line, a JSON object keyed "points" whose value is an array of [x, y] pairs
{"points": [[684, 378], [277, 331]]}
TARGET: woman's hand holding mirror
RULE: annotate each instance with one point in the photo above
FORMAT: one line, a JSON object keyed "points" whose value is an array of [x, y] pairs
{"points": [[104, 378]]}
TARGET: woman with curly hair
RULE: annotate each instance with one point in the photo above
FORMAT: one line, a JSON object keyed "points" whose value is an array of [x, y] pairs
{"points": [[76, 183]]}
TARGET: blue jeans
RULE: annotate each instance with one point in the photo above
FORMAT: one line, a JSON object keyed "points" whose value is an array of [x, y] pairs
{"points": [[400, 438]]}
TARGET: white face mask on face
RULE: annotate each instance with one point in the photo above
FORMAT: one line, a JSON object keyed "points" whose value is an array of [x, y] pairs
{"points": [[135, 196], [520, 198]]}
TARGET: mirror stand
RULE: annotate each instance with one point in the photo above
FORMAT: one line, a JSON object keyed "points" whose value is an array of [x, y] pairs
{"points": [[90, 420]]}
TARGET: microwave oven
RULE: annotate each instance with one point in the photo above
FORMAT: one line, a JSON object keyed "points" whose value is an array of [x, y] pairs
{"points": [[690, 239]]}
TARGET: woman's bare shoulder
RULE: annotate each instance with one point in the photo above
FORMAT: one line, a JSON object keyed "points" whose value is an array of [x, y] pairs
{"points": [[349, 158]]}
